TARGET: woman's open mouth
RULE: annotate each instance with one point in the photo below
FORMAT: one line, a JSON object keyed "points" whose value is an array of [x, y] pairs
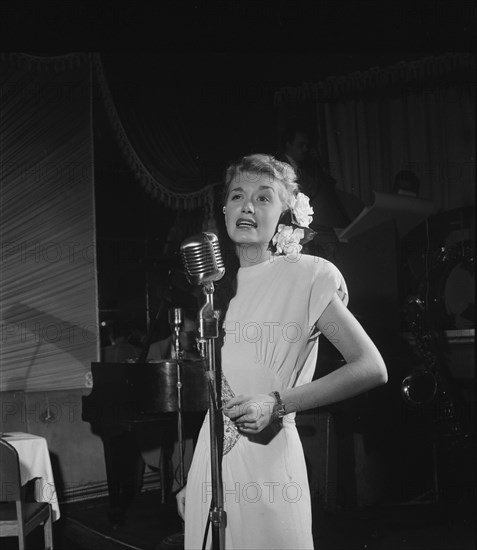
{"points": [[244, 223]]}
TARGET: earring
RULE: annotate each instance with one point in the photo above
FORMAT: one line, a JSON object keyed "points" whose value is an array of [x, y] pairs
{"points": [[224, 209]]}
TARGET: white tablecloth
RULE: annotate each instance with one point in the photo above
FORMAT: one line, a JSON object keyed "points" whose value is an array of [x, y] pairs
{"points": [[35, 464]]}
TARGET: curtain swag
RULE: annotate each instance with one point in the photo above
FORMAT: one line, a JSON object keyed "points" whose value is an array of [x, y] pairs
{"points": [[402, 74], [187, 201]]}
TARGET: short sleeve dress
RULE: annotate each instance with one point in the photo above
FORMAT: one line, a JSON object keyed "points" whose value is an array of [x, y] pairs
{"points": [[270, 344]]}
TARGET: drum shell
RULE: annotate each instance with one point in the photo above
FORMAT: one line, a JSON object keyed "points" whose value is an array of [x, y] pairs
{"points": [[155, 391], [452, 294]]}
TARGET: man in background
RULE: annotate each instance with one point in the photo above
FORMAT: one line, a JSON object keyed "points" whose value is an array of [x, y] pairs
{"points": [[165, 348], [120, 349], [314, 181]]}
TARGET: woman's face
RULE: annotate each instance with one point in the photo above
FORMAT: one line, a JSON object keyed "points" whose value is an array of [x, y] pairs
{"points": [[253, 208]]}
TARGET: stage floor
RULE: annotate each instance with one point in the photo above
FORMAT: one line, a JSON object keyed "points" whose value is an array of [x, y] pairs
{"points": [[149, 523]]}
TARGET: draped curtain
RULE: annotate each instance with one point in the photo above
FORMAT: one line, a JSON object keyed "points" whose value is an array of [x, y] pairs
{"points": [[48, 294], [143, 111], [417, 116]]}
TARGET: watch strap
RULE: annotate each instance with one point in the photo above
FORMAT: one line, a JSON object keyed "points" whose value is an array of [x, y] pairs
{"points": [[280, 407]]}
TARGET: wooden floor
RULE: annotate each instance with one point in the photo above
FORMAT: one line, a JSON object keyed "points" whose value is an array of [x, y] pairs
{"points": [[150, 525]]}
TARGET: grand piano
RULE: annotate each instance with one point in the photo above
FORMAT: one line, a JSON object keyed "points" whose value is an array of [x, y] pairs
{"points": [[135, 402]]}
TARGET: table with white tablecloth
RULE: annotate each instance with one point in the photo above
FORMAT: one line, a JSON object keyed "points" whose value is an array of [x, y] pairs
{"points": [[35, 464]]}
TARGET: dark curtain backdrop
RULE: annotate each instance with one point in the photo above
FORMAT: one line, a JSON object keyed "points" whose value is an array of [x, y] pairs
{"points": [[417, 115]]}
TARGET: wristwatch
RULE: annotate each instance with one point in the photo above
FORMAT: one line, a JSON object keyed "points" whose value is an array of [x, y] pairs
{"points": [[279, 411]]}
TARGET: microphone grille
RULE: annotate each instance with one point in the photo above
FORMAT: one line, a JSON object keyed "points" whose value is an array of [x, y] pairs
{"points": [[202, 258]]}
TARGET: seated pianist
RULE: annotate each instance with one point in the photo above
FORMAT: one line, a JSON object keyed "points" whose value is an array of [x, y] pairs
{"points": [[164, 349], [120, 349]]}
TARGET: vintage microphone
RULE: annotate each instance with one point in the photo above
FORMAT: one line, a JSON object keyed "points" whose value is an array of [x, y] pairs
{"points": [[202, 259], [204, 265]]}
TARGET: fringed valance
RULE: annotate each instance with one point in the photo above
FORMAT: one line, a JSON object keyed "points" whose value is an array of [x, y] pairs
{"points": [[452, 66], [57, 63]]}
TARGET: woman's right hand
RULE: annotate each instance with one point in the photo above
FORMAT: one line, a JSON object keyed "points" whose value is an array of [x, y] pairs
{"points": [[180, 498]]}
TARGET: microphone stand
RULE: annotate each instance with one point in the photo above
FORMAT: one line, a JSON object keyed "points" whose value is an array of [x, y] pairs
{"points": [[207, 333], [175, 320]]}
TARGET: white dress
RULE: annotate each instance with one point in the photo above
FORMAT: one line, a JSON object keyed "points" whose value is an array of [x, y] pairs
{"points": [[271, 344]]}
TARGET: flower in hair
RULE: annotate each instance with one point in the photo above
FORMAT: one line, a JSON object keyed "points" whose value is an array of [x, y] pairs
{"points": [[285, 237], [302, 212]]}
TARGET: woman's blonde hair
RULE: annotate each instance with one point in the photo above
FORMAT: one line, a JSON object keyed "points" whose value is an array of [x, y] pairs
{"points": [[280, 172]]}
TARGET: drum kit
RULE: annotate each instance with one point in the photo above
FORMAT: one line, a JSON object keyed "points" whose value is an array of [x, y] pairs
{"points": [[442, 301], [444, 269]]}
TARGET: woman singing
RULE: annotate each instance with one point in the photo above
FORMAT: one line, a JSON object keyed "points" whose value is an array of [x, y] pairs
{"points": [[279, 303]]}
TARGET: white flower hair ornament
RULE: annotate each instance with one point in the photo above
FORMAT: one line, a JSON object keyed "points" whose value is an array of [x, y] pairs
{"points": [[301, 211], [287, 239]]}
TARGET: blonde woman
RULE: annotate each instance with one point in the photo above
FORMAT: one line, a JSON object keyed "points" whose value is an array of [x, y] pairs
{"points": [[278, 304]]}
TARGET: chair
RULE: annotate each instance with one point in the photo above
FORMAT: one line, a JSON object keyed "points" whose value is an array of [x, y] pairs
{"points": [[18, 518]]}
